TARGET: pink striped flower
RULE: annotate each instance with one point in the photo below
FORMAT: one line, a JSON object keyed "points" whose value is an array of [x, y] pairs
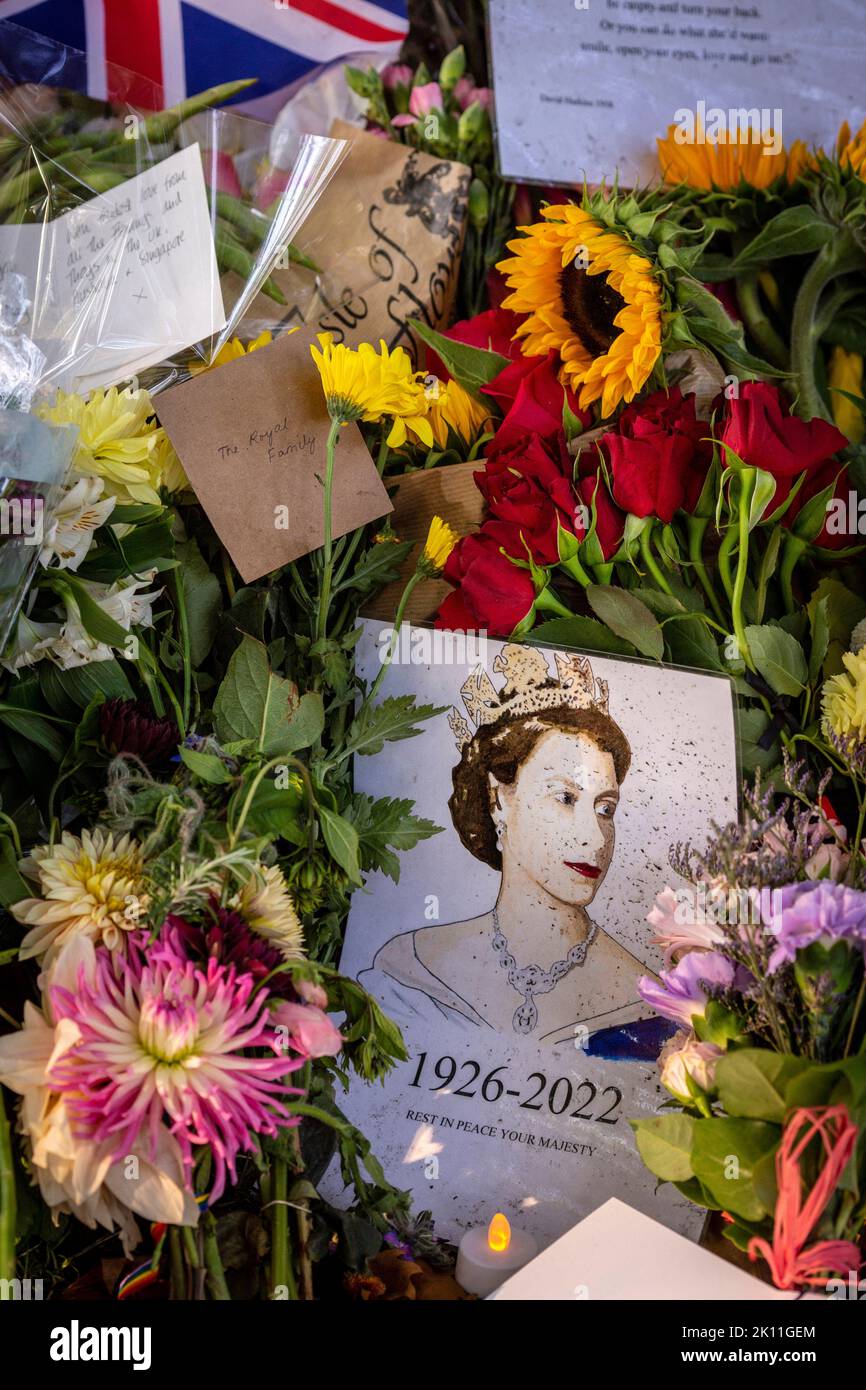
{"points": [[168, 1043]]}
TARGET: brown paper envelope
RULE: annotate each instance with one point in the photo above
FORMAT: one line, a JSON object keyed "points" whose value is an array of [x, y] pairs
{"points": [[388, 234], [449, 492], [251, 436]]}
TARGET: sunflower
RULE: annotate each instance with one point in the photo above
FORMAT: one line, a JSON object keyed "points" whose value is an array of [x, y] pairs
{"points": [[592, 297], [361, 384], [851, 150], [728, 160]]}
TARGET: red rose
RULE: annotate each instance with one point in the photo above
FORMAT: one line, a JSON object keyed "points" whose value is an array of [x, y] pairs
{"points": [[658, 455], [531, 397], [609, 520], [764, 435], [529, 486], [492, 594]]}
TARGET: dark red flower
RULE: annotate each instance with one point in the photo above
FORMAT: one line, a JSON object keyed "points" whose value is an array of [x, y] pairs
{"points": [[529, 485], [591, 487], [224, 936], [492, 594], [761, 431], [531, 397], [130, 726], [659, 455]]}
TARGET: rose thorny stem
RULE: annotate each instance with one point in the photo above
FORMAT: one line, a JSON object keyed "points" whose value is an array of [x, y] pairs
{"points": [[836, 258], [327, 543]]}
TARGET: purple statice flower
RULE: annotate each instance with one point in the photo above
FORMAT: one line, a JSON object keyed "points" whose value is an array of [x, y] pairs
{"points": [[803, 913], [682, 993]]}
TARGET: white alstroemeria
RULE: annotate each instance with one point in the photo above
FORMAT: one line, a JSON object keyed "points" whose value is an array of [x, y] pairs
{"points": [[120, 601], [82, 509], [32, 642]]}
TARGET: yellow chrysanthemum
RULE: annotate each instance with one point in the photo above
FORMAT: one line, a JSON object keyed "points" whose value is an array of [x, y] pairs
{"points": [[590, 296], [117, 439], [233, 349], [843, 699], [845, 373], [440, 541], [92, 885], [728, 159], [361, 384], [452, 406], [266, 906]]}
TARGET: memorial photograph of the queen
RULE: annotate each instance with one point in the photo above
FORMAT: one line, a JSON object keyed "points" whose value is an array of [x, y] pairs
{"points": [[542, 771]]}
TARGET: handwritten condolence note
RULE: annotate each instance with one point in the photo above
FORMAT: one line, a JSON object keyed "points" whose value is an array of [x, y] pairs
{"points": [[251, 436], [123, 280], [584, 87]]}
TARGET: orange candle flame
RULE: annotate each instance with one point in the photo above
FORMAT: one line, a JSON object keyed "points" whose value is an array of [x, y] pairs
{"points": [[499, 1233]]}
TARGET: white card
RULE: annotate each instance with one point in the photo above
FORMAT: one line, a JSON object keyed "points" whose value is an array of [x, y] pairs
{"points": [[584, 87], [488, 1114], [124, 280]]}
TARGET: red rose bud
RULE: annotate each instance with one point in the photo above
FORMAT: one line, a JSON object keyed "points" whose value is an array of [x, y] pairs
{"points": [[658, 455], [609, 520]]}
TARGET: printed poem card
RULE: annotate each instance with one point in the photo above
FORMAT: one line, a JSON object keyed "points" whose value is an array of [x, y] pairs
{"points": [[251, 436], [584, 87]]}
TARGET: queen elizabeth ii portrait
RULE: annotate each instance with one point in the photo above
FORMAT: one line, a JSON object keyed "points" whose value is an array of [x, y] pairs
{"points": [[535, 796]]}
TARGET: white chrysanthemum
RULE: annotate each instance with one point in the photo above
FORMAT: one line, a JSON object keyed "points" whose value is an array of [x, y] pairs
{"points": [[266, 906], [92, 886]]}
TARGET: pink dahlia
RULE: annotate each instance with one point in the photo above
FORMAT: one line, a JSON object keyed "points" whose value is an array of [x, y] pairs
{"points": [[167, 1042]]}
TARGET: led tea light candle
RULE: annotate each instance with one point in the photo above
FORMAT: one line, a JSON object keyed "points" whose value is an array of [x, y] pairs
{"points": [[488, 1256]]}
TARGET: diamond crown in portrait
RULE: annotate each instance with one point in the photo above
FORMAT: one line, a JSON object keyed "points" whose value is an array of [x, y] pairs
{"points": [[529, 688]]}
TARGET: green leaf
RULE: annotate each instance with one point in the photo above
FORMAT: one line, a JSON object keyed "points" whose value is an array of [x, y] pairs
{"points": [[665, 1144], [472, 367], [753, 1083], [628, 618], [13, 887], [725, 1153], [95, 621], [583, 633], [796, 231], [844, 611], [203, 599], [206, 766], [692, 644], [21, 713], [81, 683], [254, 704], [779, 659], [753, 723], [341, 838], [378, 565], [819, 623], [390, 720], [276, 809], [385, 825]]}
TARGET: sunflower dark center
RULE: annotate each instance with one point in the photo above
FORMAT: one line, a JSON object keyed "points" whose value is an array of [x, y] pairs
{"points": [[589, 306]]}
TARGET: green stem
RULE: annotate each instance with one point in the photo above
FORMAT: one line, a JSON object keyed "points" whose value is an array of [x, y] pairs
{"points": [[7, 1206], [697, 527], [216, 1278], [177, 1266], [395, 634], [183, 619], [747, 487], [650, 560], [729, 540], [327, 544], [547, 602], [282, 1272], [757, 322], [838, 257], [793, 548]]}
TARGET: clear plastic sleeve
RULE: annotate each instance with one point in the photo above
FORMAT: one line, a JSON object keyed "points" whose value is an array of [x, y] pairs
{"points": [[131, 243]]}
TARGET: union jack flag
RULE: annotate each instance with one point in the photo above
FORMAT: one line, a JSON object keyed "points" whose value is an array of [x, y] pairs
{"points": [[183, 46]]}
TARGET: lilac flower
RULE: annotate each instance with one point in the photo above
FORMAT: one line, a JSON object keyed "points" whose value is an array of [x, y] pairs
{"points": [[803, 913], [682, 993]]}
